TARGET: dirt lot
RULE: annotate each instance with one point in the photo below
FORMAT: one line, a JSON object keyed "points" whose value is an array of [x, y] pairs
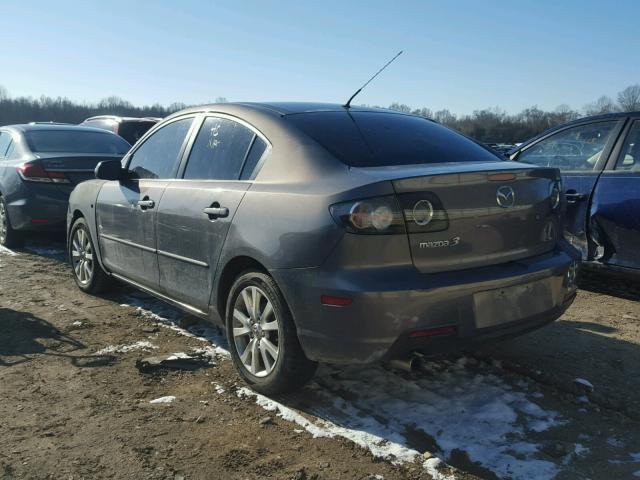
{"points": [[562, 402]]}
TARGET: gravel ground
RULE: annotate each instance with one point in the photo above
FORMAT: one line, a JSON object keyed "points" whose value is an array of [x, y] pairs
{"points": [[561, 402]]}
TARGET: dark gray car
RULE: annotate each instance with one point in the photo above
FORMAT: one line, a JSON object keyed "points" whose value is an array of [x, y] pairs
{"points": [[316, 233], [39, 166]]}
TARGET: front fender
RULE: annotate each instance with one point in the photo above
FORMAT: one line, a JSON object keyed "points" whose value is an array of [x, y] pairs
{"points": [[82, 202]]}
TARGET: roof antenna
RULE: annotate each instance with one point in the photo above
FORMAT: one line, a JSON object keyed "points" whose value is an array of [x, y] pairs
{"points": [[348, 104]]}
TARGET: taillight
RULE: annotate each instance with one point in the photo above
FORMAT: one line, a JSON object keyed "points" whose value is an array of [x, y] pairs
{"points": [[35, 172], [379, 215]]}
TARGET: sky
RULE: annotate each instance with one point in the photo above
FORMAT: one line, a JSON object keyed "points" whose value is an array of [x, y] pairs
{"points": [[460, 55]]}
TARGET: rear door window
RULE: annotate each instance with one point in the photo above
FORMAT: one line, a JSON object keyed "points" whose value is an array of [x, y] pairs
{"points": [[629, 159], [158, 156], [378, 139], [219, 150], [5, 142], [577, 148], [255, 154]]}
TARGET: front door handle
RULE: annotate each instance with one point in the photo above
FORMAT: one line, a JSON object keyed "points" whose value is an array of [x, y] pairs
{"points": [[144, 204], [216, 212], [572, 196]]}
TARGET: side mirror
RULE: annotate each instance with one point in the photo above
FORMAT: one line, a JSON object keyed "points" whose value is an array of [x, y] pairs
{"points": [[109, 170]]}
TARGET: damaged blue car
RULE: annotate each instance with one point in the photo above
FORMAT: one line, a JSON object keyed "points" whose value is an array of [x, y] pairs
{"points": [[599, 158]]}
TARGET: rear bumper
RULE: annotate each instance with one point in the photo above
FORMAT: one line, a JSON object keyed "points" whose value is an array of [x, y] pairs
{"points": [[391, 304], [38, 212]]}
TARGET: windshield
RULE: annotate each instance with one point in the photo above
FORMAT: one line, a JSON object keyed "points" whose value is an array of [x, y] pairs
{"points": [[377, 139], [76, 141]]}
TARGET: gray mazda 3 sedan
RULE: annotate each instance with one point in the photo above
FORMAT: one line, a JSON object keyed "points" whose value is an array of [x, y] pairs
{"points": [[316, 233]]}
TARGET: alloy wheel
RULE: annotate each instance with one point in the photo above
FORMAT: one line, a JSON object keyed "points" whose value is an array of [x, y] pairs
{"points": [[82, 256], [256, 331]]}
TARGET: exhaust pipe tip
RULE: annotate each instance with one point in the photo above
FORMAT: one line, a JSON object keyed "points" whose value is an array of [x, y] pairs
{"points": [[412, 363]]}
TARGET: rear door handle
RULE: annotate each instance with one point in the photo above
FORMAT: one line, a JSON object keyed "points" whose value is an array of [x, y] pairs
{"points": [[573, 196], [216, 212], [144, 204]]}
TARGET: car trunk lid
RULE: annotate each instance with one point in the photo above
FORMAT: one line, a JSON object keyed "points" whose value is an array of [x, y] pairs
{"points": [[76, 167], [493, 213]]}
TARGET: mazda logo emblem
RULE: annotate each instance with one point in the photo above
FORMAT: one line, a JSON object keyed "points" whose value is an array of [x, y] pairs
{"points": [[505, 196]]}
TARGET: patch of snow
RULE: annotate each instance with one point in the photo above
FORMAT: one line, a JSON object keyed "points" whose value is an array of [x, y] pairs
{"points": [[636, 473], [167, 399], [77, 323], [580, 450], [457, 408], [584, 383], [432, 466], [615, 442], [141, 345], [219, 388], [168, 317], [45, 252], [378, 446], [583, 399], [6, 251], [178, 355], [635, 458]]}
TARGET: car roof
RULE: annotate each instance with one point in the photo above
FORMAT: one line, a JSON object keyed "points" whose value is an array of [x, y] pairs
{"points": [[280, 109], [119, 119], [30, 127]]}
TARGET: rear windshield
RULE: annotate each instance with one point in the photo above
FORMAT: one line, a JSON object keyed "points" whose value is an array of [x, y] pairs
{"points": [[372, 139], [76, 141]]}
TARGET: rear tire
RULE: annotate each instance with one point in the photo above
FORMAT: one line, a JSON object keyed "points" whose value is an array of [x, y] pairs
{"points": [[9, 237], [87, 271], [262, 336]]}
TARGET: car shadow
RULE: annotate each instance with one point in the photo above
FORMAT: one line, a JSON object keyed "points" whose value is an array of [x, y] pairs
{"points": [[609, 283], [570, 349], [25, 337]]}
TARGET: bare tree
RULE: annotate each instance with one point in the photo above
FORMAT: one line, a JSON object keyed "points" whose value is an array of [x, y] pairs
{"points": [[629, 98], [4, 94], [602, 105], [400, 107], [564, 113], [423, 112], [445, 117]]}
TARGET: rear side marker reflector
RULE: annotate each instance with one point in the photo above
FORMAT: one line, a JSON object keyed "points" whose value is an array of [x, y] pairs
{"points": [[433, 332], [335, 301], [39, 220], [501, 177]]}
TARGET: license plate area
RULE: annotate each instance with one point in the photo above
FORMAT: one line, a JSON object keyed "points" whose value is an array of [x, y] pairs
{"points": [[510, 304]]}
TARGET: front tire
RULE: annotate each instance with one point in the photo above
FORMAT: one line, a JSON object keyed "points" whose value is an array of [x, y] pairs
{"points": [[262, 336], [87, 271], [9, 237]]}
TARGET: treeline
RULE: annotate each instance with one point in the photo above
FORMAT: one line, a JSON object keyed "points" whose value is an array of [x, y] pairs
{"points": [[496, 125], [488, 125], [47, 109]]}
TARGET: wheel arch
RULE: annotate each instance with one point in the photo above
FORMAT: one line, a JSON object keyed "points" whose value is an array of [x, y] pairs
{"points": [[232, 269]]}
